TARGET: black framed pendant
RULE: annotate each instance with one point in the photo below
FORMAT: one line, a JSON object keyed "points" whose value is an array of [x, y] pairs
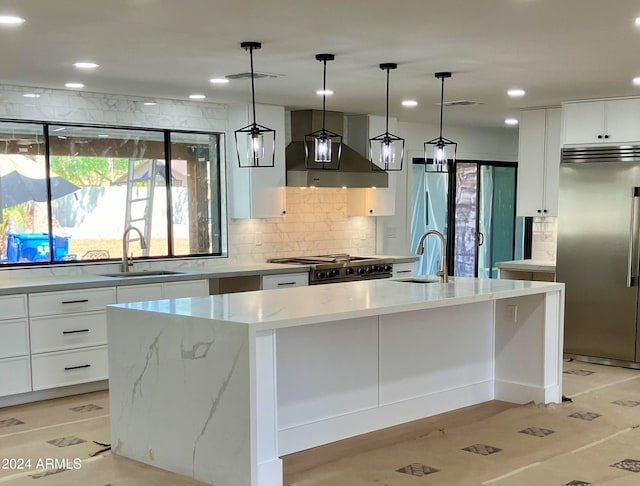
{"points": [[386, 151], [323, 148], [441, 149], [255, 144]]}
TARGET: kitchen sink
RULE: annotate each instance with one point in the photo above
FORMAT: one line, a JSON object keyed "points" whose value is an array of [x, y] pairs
{"points": [[144, 273], [421, 280]]}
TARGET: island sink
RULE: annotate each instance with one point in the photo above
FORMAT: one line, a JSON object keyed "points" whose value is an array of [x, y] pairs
{"points": [[421, 280]]}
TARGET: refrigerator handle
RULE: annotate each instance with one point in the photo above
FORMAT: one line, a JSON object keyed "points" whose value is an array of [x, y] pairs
{"points": [[634, 236]]}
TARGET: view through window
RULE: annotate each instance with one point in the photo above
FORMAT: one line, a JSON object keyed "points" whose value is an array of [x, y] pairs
{"points": [[101, 181]]}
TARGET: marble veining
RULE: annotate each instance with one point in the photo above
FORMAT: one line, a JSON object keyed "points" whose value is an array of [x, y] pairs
{"points": [[153, 350]]}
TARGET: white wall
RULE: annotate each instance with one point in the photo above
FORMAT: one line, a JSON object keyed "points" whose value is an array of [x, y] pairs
{"points": [[494, 144]]}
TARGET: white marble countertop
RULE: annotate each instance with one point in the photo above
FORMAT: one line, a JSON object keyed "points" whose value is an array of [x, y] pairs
{"points": [[528, 265], [10, 284], [271, 309]]}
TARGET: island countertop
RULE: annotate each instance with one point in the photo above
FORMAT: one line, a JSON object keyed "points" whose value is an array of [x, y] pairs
{"points": [[272, 309]]}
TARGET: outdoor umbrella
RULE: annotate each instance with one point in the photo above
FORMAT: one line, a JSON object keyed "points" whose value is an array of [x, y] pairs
{"points": [[22, 180]]}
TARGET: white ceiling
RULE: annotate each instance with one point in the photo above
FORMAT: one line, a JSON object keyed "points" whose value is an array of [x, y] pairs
{"points": [[555, 49]]}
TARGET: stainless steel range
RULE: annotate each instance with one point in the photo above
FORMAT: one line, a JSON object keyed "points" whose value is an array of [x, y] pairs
{"points": [[341, 268]]}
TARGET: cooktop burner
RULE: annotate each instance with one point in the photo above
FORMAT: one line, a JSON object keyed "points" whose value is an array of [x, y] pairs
{"points": [[340, 267]]}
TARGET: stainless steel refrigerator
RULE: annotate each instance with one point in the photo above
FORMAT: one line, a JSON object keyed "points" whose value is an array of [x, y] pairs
{"points": [[598, 249]]}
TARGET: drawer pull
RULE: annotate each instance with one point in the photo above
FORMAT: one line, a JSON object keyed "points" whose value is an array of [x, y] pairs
{"points": [[69, 368], [404, 271], [81, 301], [76, 331], [285, 283]]}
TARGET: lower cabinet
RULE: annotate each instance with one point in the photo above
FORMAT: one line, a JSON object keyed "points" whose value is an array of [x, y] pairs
{"points": [[64, 368], [15, 375], [166, 290], [404, 269]]}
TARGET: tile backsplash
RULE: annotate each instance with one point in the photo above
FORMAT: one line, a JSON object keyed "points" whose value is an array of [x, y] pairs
{"points": [[316, 223], [545, 237]]}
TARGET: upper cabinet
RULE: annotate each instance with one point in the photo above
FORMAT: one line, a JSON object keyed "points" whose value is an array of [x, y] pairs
{"points": [[601, 122], [538, 162], [379, 201], [256, 192]]}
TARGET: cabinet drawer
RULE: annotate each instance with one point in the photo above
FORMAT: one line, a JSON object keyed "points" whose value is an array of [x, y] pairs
{"points": [[285, 281], [69, 301], [13, 306], [404, 269], [14, 338], [68, 332], [189, 288], [139, 293], [69, 368], [14, 376]]}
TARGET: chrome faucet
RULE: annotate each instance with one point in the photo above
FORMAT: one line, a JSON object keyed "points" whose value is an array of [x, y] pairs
{"points": [[125, 247], [443, 272]]}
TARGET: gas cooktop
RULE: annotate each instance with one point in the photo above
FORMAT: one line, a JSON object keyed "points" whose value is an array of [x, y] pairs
{"points": [[340, 267]]}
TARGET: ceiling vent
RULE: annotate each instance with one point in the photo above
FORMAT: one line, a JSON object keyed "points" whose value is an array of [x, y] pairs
{"points": [[461, 103], [255, 75]]}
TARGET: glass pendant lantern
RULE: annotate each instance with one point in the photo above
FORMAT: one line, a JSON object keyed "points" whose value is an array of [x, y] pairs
{"points": [[323, 148], [384, 149], [255, 144], [441, 150]]}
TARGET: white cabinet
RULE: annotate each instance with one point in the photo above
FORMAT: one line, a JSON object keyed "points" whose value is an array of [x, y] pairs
{"points": [[538, 162], [256, 192], [407, 269], [284, 281], [69, 336], [601, 122], [370, 202], [162, 290], [15, 374]]}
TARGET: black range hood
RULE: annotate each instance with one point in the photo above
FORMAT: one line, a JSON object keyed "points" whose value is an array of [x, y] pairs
{"points": [[355, 170]]}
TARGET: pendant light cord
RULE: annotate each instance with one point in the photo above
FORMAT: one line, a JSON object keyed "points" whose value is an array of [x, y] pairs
{"points": [[387, 120], [324, 92], [253, 88], [441, 105]]}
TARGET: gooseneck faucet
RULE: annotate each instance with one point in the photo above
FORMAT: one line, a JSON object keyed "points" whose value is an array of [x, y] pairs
{"points": [[125, 246], [443, 273]]}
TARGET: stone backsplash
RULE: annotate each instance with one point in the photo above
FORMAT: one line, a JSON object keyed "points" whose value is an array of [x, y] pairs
{"points": [[545, 237]]}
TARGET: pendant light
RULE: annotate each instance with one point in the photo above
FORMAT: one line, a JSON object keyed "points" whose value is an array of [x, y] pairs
{"points": [[255, 144], [323, 148], [443, 150], [384, 149]]}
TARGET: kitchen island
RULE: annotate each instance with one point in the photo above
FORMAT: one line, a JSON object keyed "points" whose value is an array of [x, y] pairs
{"points": [[219, 388]]}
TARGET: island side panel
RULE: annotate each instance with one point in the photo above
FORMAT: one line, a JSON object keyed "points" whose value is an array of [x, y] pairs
{"points": [[436, 360], [528, 343], [180, 394]]}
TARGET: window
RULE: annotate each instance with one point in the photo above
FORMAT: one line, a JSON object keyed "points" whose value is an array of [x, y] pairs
{"points": [[103, 180]]}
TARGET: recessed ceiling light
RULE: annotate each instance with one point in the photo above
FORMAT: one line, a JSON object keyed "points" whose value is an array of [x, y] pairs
{"points": [[197, 96], [638, 21], [636, 81], [31, 95], [85, 65], [218, 80], [326, 92], [516, 92], [59, 129], [103, 135], [410, 103], [511, 121], [74, 85], [149, 103], [10, 19]]}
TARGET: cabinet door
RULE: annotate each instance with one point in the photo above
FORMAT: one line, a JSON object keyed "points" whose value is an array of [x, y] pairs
{"points": [[14, 338], [404, 269], [139, 293], [622, 121], [551, 163], [531, 155], [57, 333], [189, 288], [16, 376], [69, 367], [583, 122], [370, 202], [70, 301]]}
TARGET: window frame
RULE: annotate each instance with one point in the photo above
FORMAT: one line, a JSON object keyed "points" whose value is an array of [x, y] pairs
{"points": [[166, 134]]}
